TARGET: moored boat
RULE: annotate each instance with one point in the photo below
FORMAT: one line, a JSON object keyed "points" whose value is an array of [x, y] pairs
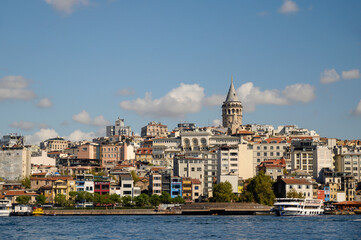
{"points": [[5, 208], [298, 207], [38, 212]]}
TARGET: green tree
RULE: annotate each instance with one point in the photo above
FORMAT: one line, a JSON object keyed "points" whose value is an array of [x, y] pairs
{"points": [[178, 199], [26, 182], [154, 200], [60, 199], [134, 176], [142, 200], [294, 194], [40, 199], [127, 201], [22, 199], [260, 187], [222, 192], [165, 198], [115, 198]]}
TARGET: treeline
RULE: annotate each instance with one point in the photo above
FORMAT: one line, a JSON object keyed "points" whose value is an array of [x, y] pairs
{"points": [[75, 198]]}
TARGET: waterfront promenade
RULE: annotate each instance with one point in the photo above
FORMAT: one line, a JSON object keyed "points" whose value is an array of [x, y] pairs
{"points": [[187, 209]]}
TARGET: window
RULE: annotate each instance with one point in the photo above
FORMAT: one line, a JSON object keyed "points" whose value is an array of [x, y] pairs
{"points": [[199, 169], [258, 154], [278, 147], [185, 169], [258, 148], [127, 185], [127, 192], [265, 154], [265, 148], [271, 147], [299, 187], [192, 169], [196, 187]]}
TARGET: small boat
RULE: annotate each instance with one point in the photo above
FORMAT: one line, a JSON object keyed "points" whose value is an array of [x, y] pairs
{"points": [[5, 208], [38, 212], [298, 207]]}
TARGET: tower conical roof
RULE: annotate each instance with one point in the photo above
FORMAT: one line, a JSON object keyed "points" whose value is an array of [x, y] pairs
{"points": [[232, 95]]}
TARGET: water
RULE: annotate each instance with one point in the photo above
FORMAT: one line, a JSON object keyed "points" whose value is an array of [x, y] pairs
{"points": [[181, 227]]}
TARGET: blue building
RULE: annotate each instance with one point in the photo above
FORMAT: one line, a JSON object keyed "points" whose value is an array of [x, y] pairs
{"points": [[327, 193], [176, 187]]}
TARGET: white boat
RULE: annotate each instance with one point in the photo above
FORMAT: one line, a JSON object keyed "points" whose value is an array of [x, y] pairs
{"points": [[298, 207], [5, 208]]}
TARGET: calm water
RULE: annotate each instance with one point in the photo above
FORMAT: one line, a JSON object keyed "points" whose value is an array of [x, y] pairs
{"points": [[181, 227]]}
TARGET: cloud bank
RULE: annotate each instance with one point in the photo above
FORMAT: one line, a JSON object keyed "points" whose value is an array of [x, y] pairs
{"points": [[187, 98], [15, 87], [351, 74], [44, 103]]}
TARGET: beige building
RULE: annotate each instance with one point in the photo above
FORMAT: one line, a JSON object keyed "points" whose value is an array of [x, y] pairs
{"points": [[154, 129], [54, 144], [350, 163]]}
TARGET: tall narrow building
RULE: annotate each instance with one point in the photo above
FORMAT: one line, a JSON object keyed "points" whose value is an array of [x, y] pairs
{"points": [[232, 111]]}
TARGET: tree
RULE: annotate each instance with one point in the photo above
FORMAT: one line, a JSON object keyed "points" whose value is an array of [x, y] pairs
{"points": [[154, 200], [22, 199], [40, 199], [115, 198], [165, 198], [134, 176], [127, 201], [142, 200], [261, 190], [60, 199], [26, 182], [222, 192], [294, 194], [2, 180], [178, 199]]}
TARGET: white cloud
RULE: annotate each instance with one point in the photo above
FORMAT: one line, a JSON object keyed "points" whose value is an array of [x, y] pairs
{"points": [[66, 6], [40, 136], [23, 125], [44, 103], [357, 110], [84, 118], [288, 7], [351, 74], [79, 135], [217, 123], [14, 87], [214, 100], [126, 92], [252, 96], [329, 76], [299, 93], [187, 98]]}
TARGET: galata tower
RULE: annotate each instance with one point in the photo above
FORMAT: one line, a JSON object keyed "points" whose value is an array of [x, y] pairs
{"points": [[232, 111]]}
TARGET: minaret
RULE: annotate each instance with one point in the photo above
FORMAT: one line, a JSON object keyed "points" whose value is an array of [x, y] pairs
{"points": [[232, 111]]}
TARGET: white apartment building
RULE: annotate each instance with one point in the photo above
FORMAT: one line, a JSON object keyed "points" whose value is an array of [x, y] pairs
{"points": [[155, 184], [322, 158]]}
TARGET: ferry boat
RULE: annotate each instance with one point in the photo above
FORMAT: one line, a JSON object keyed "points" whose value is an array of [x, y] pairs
{"points": [[298, 207], [5, 208]]}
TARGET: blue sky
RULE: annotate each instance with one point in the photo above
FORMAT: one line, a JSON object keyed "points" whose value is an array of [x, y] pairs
{"points": [[70, 67]]}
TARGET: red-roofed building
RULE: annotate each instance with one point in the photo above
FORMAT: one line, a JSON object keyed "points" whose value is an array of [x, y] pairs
{"points": [[300, 185], [144, 155], [272, 167], [13, 194]]}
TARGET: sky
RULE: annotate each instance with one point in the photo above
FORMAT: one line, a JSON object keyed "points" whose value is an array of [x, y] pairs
{"points": [[70, 67]]}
